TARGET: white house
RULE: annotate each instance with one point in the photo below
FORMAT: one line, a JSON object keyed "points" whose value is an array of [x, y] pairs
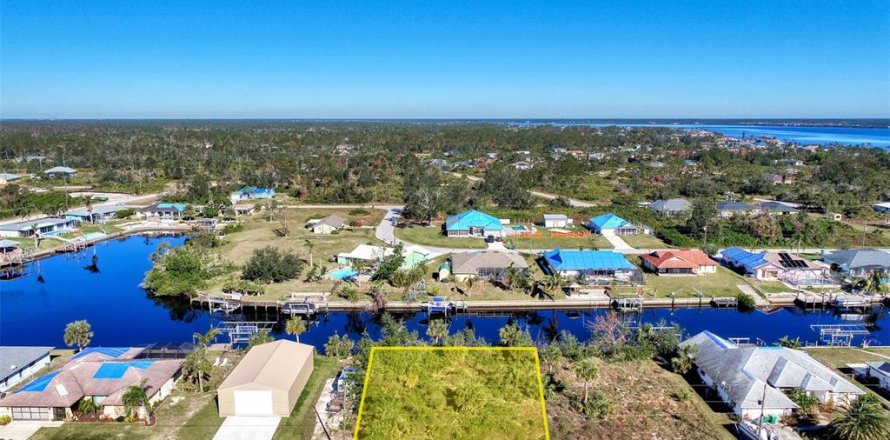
{"points": [[326, 225], [555, 220], [19, 363], [879, 371], [882, 207]]}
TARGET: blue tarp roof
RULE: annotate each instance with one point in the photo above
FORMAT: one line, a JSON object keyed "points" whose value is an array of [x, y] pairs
{"points": [[256, 191], [587, 260], [608, 221], [742, 258], [472, 219], [39, 384], [116, 370], [112, 352]]}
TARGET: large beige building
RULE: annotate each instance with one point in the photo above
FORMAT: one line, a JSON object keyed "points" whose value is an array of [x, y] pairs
{"points": [[268, 381]]}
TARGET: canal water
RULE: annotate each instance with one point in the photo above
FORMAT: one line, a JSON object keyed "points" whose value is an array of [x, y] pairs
{"points": [[35, 308]]}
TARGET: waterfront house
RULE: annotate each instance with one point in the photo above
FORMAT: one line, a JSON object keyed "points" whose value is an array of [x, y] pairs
{"points": [[364, 252], [326, 225], [163, 211], [485, 264], [728, 208], [593, 266], [880, 372], [671, 207], [859, 263], [883, 208], [97, 214], [44, 227], [679, 262], [251, 193], [612, 224], [60, 172], [781, 266], [9, 177], [10, 253], [268, 381], [19, 363], [748, 378], [102, 374], [555, 220], [473, 223]]}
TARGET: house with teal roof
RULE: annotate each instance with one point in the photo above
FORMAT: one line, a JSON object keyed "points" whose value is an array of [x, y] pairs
{"points": [[612, 224], [473, 223], [163, 211]]}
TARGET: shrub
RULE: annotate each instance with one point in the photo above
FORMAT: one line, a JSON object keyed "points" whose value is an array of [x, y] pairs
{"points": [[270, 264], [125, 213], [745, 302], [5, 420], [232, 228]]}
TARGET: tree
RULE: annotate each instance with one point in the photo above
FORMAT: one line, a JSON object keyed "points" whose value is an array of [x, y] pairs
{"points": [[295, 327], [511, 335], [788, 342], [864, 419], [135, 397], [78, 333], [197, 367], [586, 369], [437, 330], [272, 265], [702, 212], [205, 339], [806, 401], [310, 246], [683, 361], [262, 337], [339, 347], [88, 405]]}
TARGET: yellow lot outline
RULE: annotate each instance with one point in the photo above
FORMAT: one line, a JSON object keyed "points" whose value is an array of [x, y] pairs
{"points": [[534, 350]]}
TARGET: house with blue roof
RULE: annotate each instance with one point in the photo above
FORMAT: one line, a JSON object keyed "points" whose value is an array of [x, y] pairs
{"points": [[163, 211], [601, 267], [102, 374], [612, 224], [473, 223], [251, 193]]}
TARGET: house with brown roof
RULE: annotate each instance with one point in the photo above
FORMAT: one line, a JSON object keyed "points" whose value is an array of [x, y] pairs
{"points": [[100, 373], [679, 262]]}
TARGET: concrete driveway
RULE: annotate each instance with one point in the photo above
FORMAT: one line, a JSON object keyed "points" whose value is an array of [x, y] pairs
{"points": [[616, 242], [24, 429], [247, 428]]}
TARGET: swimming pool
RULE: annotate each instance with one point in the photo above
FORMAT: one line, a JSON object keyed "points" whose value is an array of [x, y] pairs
{"points": [[343, 273]]}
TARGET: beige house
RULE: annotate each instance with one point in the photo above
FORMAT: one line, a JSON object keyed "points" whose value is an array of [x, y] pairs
{"points": [[327, 225], [268, 381], [484, 264]]}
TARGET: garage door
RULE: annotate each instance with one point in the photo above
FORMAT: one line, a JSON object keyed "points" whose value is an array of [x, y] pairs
{"points": [[253, 403]]}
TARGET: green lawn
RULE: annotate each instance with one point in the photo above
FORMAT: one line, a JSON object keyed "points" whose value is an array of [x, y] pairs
{"points": [[721, 284], [302, 419], [546, 242], [432, 236], [433, 394], [768, 286], [642, 241], [479, 291]]}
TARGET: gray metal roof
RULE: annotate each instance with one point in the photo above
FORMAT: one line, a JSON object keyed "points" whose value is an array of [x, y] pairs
{"points": [[65, 170], [671, 205], [858, 258], [27, 225], [101, 209], [8, 244], [14, 359], [773, 206], [471, 262], [9, 176], [742, 371], [332, 220], [555, 217], [733, 206]]}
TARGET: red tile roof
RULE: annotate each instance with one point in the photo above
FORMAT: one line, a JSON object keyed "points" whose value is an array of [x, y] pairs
{"points": [[679, 259]]}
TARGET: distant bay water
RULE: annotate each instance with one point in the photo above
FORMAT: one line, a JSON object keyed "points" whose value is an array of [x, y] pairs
{"points": [[802, 135]]}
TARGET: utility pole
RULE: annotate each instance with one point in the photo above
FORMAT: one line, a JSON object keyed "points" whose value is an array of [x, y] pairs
{"points": [[762, 405]]}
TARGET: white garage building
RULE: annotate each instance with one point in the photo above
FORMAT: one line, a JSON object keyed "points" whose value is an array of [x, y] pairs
{"points": [[268, 381]]}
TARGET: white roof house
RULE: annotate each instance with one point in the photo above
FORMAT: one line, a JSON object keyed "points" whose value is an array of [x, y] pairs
{"points": [[60, 171], [882, 207], [746, 375], [555, 220]]}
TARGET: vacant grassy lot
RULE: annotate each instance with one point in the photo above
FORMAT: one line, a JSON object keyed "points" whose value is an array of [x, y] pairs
{"points": [[590, 242], [642, 241], [434, 394], [648, 402], [432, 236]]}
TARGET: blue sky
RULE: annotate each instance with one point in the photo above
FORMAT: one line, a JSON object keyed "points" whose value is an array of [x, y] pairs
{"points": [[446, 59]]}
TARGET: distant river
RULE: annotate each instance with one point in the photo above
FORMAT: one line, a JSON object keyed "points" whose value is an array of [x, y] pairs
{"points": [[122, 313]]}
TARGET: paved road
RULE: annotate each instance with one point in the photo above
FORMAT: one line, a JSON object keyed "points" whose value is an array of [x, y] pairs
{"points": [[546, 195]]}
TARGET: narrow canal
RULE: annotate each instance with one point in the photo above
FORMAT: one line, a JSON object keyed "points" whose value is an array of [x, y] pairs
{"points": [[35, 308]]}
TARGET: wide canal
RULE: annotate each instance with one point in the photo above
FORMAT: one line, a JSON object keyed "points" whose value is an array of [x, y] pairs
{"points": [[35, 308]]}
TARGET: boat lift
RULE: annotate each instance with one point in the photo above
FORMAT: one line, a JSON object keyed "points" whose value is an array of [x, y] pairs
{"points": [[240, 332], [839, 334]]}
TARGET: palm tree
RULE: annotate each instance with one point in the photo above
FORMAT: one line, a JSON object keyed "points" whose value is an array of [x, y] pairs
{"points": [[874, 282], [88, 202], [552, 283], [587, 371], [88, 406], [135, 396], [310, 246], [437, 330], [295, 326], [197, 366], [78, 333], [864, 419], [205, 339]]}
